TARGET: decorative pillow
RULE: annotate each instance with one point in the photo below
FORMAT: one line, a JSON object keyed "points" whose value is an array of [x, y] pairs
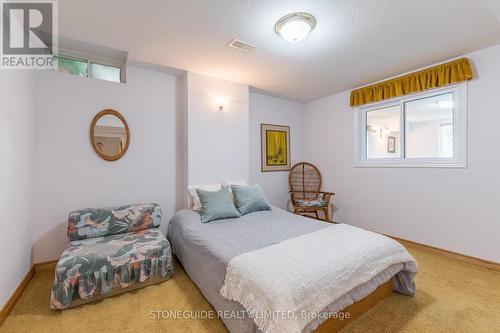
{"points": [[249, 198], [216, 205], [195, 203], [228, 185], [98, 222]]}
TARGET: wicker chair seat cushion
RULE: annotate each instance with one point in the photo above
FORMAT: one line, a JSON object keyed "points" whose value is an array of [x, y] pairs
{"points": [[311, 203]]}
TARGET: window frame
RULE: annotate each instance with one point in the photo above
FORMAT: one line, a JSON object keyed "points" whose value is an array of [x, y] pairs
{"points": [[90, 59], [459, 159]]}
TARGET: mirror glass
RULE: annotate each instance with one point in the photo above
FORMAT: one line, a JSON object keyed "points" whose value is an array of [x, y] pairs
{"points": [[109, 135]]}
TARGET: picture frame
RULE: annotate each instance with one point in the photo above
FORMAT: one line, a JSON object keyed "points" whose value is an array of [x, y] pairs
{"points": [[391, 144], [275, 148]]}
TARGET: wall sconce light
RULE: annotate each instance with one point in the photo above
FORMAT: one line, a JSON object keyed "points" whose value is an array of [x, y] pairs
{"points": [[221, 102]]}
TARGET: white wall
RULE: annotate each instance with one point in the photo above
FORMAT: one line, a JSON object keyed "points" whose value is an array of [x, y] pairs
{"points": [[16, 178], [69, 175], [453, 209], [271, 110], [217, 141]]}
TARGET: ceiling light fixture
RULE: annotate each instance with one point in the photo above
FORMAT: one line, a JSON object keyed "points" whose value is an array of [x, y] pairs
{"points": [[295, 27]]}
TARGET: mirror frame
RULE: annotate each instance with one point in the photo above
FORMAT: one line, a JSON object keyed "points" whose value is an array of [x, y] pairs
{"points": [[92, 129]]}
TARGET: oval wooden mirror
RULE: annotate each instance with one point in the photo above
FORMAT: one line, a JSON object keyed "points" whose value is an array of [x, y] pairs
{"points": [[109, 135]]}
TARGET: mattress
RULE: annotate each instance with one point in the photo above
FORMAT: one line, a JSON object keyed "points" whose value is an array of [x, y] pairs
{"points": [[205, 249]]}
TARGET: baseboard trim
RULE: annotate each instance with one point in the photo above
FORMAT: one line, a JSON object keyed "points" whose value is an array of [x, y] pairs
{"points": [[450, 254], [35, 268], [45, 266], [7, 308]]}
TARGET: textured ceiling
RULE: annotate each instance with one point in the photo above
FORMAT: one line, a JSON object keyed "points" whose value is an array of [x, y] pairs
{"points": [[355, 41]]}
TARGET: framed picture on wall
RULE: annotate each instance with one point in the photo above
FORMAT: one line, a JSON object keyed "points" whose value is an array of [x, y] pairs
{"points": [[275, 147], [391, 144]]}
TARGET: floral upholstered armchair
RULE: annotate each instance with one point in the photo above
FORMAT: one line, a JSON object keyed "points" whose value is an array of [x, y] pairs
{"points": [[111, 250]]}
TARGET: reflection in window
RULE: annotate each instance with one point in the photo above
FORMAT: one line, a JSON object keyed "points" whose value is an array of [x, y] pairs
{"points": [[383, 134], [429, 127], [446, 141]]}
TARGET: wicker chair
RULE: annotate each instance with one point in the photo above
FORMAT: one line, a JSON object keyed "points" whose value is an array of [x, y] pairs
{"points": [[305, 185]]}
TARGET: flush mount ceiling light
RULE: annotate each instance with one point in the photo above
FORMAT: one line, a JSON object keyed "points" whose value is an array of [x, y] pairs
{"points": [[295, 27]]}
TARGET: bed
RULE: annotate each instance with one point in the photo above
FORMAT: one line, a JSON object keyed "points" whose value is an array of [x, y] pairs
{"points": [[206, 249]]}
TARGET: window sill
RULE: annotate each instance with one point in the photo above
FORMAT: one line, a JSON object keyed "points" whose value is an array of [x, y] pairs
{"points": [[399, 164]]}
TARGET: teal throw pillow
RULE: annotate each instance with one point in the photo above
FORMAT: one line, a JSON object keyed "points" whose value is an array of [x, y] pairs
{"points": [[216, 205], [249, 198]]}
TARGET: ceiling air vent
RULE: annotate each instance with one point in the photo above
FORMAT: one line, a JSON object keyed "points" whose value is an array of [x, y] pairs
{"points": [[242, 46]]}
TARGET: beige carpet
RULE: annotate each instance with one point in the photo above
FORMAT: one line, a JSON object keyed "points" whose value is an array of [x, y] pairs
{"points": [[451, 297]]}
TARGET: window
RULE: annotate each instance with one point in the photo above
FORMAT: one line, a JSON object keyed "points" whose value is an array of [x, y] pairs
{"points": [[104, 72], [82, 66], [72, 66], [423, 130]]}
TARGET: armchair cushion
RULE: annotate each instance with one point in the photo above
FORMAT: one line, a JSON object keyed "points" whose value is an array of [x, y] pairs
{"points": [[311, 203], [98, 265], [98, 222]]}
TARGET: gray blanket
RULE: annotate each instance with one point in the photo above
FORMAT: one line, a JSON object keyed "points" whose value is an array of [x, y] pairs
{"points": [[205, 249]]}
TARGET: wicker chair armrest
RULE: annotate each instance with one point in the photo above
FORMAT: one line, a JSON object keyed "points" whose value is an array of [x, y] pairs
{"points": [[327, 195]]}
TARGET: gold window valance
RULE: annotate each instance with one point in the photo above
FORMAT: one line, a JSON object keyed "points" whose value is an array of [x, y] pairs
{"points": [[429, 78]]}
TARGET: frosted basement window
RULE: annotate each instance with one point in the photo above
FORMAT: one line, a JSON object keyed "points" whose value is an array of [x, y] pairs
{"points": [[105, 72], [422, 130]]}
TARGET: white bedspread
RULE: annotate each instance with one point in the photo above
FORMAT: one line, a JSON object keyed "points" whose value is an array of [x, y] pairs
{"points": [[283, 286]]}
